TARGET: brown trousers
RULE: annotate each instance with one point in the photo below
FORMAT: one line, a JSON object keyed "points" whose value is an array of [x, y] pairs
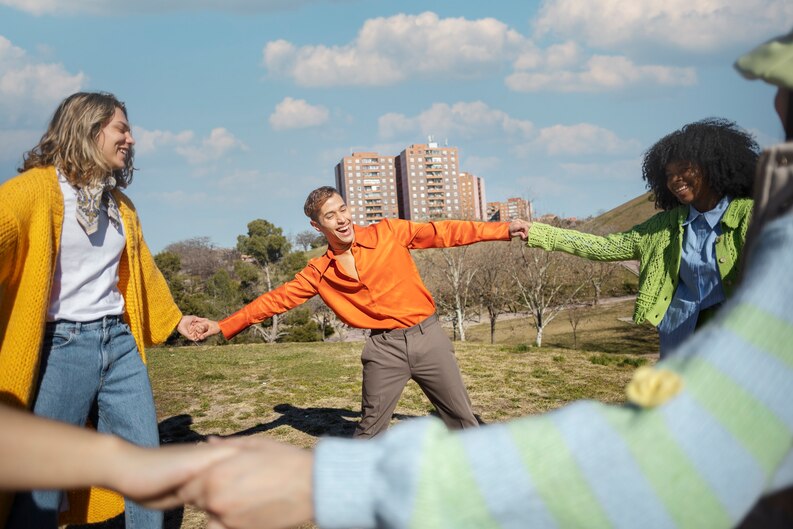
{"points": [[423, 353]]}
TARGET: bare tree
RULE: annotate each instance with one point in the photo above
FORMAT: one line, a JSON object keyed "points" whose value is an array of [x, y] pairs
{"points": [[492, 282], [449, 274], [575, 315], [598, 272], [545, 282], [199, 257], [308, 239]]}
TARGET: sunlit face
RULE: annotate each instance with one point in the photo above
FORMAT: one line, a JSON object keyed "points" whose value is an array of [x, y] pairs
{"points": [[686, 181], [116, 141], [335, 223]]}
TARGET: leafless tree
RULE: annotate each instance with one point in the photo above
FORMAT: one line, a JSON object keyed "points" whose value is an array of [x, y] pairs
{"points": [[597, 273], [449, 274], [199, 257], [575, 315], [545, 282], [492, 282]]}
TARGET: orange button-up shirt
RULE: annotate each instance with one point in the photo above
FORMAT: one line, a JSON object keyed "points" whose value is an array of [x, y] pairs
{"points": [[388, 293]]}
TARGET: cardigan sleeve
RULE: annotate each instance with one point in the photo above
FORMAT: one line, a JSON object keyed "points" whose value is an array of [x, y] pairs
{"points": [[614, 247], [699, 455], [9, 233]]}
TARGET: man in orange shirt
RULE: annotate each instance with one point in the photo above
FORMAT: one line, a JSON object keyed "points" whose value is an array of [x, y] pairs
{"points": [[368, 278]]}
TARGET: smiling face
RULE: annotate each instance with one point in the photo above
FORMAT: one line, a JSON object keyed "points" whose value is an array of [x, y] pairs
{"points": [[687, 183], [115, 140], [335, 223]]}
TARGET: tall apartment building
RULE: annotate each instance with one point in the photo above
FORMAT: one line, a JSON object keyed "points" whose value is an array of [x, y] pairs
{"points": [[472, 197], [367, 181], [512, 208], [428, 182]]}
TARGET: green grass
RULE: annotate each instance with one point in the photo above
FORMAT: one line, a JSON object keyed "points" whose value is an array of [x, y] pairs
{"points": [[299, 392]]}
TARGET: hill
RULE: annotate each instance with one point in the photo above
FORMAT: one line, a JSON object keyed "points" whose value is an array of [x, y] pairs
{"points": [[623, 216]]}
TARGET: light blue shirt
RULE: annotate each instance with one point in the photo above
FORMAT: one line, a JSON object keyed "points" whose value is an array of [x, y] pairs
{"points": [[700, 282]]}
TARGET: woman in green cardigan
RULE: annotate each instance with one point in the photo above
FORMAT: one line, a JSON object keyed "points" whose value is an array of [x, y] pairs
{"points": [[701, 177]]}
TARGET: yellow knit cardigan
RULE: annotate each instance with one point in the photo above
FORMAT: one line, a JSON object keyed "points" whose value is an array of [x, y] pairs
{"points": [[31, 219]]}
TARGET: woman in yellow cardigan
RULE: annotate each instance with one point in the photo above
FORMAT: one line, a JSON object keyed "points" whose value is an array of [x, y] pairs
{"points": [[80, 295]]}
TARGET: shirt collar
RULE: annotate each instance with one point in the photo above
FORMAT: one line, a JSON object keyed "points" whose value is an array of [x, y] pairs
{"points": [[364, 236], [712, 217]]}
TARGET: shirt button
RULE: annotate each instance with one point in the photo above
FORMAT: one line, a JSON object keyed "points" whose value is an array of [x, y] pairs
{"points": [[718, 239], [722, 260]]}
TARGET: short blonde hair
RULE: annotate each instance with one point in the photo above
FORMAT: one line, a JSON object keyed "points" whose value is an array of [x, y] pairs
{"points": [[70, 142]]}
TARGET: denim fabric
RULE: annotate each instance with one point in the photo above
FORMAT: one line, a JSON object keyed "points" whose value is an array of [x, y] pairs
{"points": [[700, 281], [82, 364]]}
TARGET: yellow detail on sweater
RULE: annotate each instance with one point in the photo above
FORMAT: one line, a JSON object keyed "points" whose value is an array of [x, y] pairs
{"points": [[31, 217], [652, 387]]}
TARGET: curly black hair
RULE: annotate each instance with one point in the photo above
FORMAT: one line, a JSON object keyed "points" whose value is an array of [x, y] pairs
{"points": [[726, 154]]}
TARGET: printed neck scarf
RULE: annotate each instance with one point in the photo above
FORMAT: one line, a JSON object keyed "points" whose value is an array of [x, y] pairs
{"points": [[89, 205]]}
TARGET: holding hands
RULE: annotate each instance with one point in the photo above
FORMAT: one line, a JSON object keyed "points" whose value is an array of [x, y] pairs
{"points": [[266, 484], [519, 228], [196, 328]]}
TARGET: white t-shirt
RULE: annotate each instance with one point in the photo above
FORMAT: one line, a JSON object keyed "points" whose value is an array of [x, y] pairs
{"points": [[85, 287]]}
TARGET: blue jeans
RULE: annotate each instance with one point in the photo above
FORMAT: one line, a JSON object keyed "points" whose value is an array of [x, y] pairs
{"points": [[82, 364]]}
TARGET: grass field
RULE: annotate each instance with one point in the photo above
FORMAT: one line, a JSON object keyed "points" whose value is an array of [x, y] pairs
{"points": [[297, 393]]}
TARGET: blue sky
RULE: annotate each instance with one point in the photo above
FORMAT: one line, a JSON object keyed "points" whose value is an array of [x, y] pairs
{"points": [[241, 107]]}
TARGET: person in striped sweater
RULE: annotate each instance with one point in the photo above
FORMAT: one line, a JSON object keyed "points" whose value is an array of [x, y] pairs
{"points": [[705, 434]]}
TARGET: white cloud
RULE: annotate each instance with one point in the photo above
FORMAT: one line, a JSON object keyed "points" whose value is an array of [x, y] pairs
{"points": [[460, 120], [297, 114], [122, 7], [30, 89], [600, 73], [577, 140], [219, 143], [689, 25], [390, 50], [147, 141]]}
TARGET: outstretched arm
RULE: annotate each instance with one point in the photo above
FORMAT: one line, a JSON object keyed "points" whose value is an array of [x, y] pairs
{"points": [[706, 436], [42, 454]]}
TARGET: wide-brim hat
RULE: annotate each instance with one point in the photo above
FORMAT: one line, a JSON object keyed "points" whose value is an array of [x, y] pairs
{"points": [[772, 62]]}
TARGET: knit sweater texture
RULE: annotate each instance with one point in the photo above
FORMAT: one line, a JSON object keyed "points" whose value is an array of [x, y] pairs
{"points": [[31, 219], [657, 244], [716, 436]]}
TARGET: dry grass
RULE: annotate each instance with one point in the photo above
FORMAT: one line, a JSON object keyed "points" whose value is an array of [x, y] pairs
{"points": [[297, 393]]}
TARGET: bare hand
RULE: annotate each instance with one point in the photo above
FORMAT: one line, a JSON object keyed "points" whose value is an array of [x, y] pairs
{"points": [[519, 228], [265, 485], [153, 476], [187, 326], [204, 328]]}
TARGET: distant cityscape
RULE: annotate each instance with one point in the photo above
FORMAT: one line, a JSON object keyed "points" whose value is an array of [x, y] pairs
{"points": [[423, 182]]}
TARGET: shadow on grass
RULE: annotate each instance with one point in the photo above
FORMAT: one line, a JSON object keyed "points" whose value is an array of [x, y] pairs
{"points": [[317, 422]]}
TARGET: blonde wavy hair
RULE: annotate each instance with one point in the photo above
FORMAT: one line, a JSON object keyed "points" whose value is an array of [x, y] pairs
{"points": [[70, 142]]}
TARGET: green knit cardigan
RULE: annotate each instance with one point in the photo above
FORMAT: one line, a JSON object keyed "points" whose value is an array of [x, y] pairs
{"points": [[657, 244]]}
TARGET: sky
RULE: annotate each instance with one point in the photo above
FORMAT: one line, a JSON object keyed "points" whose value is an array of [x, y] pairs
{"points": [[241, 107]]}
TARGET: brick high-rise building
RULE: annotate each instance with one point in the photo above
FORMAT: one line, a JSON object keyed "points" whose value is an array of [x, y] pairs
{"points": [[367, 182], [472, 197], [512, 208], [428, 182]]}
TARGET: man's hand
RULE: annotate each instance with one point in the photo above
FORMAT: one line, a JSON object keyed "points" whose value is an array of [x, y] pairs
{"points": [[519, 228], [265, 485]]}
